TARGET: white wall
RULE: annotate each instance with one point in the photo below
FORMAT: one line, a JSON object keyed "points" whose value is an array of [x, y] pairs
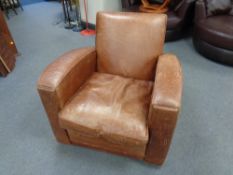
{"points": [[98, 5]]}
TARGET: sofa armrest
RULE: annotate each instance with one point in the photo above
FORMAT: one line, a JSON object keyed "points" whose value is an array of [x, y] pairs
{"points": [[61, 79], [164, 108], [183, 7], [200, 10]]}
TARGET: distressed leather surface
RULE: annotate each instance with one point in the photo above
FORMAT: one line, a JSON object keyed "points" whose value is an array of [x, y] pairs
{"points": [[164, 107], [61, 79], [128, 44], [110, 108], [168, 82]]}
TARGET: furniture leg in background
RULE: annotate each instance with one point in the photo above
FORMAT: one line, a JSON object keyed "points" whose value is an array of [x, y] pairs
{"points": [[8, 50], [7, 5], [78, 26], [67, 8]]}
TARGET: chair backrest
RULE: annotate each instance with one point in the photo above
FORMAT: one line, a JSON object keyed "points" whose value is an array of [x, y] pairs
{"points": [[128, 44]]}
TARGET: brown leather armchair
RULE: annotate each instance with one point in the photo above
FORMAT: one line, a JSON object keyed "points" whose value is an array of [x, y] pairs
{"points": [[213, 33], [180, 16], [123, 95]]}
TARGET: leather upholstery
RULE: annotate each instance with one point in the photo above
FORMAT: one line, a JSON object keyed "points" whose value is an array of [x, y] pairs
{"points": [[179, 19], [114, 109], [164, 107], [200, 11], [60, 75], [212, 52], [231, 12], [56, 85], [215, 33], [173, 20], [119, 47], [109, 143], [168, 82], [212, 30]]}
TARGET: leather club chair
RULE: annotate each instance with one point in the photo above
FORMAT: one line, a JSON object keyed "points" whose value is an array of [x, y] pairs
{"points": [[213, 33], [123, 95], [180, 16]]}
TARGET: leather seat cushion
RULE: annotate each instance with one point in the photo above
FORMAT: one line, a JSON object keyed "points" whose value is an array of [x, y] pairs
{"points": [[173, 21], [217, 30], [110, 112]]}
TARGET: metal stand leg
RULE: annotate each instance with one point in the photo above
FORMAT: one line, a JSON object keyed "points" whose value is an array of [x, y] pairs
{"points": [[12, 6], [20, 5], [68, 24], [78, 27], [5, 9], [64, 10]]}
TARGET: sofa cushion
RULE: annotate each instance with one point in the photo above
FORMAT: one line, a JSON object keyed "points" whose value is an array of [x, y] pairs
{"points": [[218, 7], [217, 30], [110, 111]]}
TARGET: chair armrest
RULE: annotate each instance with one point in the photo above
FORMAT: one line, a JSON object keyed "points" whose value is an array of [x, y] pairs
{"points": [[200, 10], [164, 108], [183, 7], [61, 79]]}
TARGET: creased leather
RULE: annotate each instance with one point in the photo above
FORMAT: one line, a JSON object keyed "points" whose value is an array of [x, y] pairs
{"points": [[112, 107], [164, 108], [68, 73], [60, 81], [128, 44]]}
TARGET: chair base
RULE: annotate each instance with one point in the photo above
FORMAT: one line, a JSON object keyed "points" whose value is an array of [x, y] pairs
{"points": [[157, 162], [220, 55]]}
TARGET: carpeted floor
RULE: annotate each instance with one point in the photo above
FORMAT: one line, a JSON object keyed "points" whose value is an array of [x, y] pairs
{"points": [[203, 141]]}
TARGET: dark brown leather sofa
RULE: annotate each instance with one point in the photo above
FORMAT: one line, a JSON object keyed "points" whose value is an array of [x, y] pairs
{"points": [[213, 33], [180, 16], [123, 95]]}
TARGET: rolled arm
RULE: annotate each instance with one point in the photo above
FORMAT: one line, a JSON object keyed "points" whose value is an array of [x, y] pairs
{"points": [[60, 80], [164, 108], [200, 10], [183, 7]]}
